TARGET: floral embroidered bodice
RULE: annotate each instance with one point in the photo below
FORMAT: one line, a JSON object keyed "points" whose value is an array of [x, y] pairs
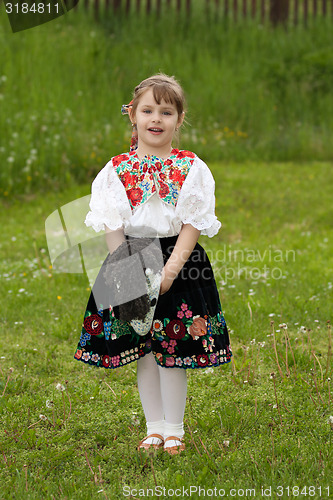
{"points": [[143, 178]]}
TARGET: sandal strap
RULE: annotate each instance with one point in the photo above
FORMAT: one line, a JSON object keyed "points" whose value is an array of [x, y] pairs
{"points": [[174, 438], [153, 435]]}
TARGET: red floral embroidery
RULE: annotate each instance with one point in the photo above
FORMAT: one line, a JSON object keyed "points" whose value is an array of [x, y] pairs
{"points": [[142, 179], [170, 361], [78, 354], [116, 160], [164, 189], [127, 178], [202, 360], [93, 324], [106, 361], [135, 195], [175, 329], [175, 174], [184, 153]]}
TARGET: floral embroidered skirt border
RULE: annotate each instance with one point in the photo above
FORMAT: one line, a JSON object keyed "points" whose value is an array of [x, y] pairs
{"points": [[188, 329]]}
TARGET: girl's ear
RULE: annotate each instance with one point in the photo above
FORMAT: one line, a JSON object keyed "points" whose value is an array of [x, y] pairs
{"points": [[181, 119]]}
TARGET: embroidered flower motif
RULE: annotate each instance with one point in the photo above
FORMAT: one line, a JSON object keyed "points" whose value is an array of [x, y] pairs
{"points": [[107, 329], [180, 314], [93, 324], [163, 190], [106, 361], [179, 362], [164, 344], [173, 342], [86, 356], [117, 160], [78, 354], [175, 329], [135, 196], [171, 349], [170, 361], [213, 358], [184, 307], [95, 358], [115, 360], [184, 154], [188, 314], [203, 360], [198, 327], [157, 325], [187, 361]]}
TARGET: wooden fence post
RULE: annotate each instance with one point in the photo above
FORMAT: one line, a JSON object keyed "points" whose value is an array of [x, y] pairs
{"points": [[279, 11]]}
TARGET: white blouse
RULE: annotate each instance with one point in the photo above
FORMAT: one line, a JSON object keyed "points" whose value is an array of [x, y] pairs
{"points": [[109, 206]]}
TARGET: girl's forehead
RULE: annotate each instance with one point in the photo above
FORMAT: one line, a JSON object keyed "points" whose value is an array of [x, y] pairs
{"points": [[148, 99]]}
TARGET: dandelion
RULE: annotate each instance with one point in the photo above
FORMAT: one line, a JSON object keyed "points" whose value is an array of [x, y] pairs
{"points": [[330, 421], [59, 297], [49, 403], [271, 315], [253, 341], [60, 387], [226, 443], [42, 417], [10, 159]]}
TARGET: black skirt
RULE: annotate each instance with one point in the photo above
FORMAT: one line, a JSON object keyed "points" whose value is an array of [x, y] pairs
{"points": [[188, 329]]}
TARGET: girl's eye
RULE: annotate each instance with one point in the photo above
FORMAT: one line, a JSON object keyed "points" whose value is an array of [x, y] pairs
{"points": [[146, 111], [167, 113]]}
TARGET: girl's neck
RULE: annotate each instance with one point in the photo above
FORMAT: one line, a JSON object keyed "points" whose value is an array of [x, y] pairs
{"points": [[160, 152]]}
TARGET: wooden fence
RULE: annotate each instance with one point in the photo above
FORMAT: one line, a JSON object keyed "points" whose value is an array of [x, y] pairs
{"points": [[275, 11]]}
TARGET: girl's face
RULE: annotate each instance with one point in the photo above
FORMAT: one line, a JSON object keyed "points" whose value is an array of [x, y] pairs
{"points": [[156, 125]]}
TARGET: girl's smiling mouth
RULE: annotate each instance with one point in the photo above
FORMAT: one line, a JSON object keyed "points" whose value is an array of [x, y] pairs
{"points": [[155, 130]]}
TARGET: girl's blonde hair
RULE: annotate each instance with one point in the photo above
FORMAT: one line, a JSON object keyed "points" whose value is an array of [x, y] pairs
{"points": [[163, 87]]}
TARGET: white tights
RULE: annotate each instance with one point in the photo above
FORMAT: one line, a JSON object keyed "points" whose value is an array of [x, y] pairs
{"points": [[163, 397]]}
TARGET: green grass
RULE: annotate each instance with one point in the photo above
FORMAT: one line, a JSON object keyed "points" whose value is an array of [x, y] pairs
{"points": [[254, 92], [245, 428]]}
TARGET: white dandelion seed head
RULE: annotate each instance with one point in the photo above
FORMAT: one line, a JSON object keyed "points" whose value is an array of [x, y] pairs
{"points": [[60, 387], [42, 417], [49, 403]]}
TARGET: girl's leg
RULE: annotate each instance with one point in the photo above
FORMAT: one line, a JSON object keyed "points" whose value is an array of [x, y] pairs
{"points": [[173, 383], [150, 394]]}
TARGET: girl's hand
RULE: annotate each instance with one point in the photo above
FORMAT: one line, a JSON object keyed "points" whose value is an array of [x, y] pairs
{"points": [[166, 281]]}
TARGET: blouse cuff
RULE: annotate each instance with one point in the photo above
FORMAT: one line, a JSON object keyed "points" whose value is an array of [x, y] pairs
{"points": [[196, 203]]}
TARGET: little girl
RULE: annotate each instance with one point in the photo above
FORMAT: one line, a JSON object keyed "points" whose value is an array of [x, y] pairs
{"points": [[157, 191]]}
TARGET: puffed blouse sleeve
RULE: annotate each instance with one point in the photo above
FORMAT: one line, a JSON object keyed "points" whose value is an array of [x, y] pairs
{"points": [[196, 202], [108, 203]]}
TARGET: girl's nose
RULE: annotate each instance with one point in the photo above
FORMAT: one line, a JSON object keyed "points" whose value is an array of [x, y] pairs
{"points": [[156, 117]]}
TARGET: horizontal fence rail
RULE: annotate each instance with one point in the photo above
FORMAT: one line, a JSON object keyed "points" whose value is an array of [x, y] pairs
{"points": [[275, 11]]}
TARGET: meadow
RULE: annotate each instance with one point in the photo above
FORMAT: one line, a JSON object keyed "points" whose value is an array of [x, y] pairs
{"points": [[263, 421], [260, 114]]}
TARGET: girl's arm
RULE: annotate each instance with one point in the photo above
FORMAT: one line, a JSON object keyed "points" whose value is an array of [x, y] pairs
{"points": [[114, 238], [184, 246]]}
